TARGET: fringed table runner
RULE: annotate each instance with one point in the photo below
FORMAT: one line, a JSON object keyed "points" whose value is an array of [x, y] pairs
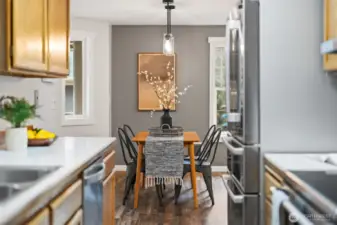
{"points": [[164, 160]]}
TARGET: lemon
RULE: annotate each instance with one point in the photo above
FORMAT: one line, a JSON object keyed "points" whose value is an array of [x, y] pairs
{"points": [[44, 134], [31, 134]]}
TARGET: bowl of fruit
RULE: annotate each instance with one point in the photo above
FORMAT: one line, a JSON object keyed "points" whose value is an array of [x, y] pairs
{"points": [[40, 137]]}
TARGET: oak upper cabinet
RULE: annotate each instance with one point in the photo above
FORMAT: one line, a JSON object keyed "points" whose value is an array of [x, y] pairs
{"points": [[330, 32], [29, 39], [109, 200], [34, 38], [58, 35]]}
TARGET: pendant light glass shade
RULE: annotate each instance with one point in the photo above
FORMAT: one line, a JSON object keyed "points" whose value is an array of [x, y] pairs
{"points": [[168, 44]]}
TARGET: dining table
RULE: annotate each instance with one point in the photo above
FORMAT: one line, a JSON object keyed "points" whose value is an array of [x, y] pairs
{"points": [[190, 138]]}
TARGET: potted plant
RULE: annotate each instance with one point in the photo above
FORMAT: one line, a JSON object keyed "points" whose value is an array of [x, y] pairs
{"points": [[16, 111], [166, 91]]}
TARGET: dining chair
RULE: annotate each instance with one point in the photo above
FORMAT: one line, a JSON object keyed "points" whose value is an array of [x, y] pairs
{"points": [[203, 164], [209, 133], [130, 156], [128, 130], [130, 159]]}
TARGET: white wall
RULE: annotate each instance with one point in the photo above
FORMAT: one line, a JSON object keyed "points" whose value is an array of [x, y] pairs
{"points": [[298, 99], [51, 118]]}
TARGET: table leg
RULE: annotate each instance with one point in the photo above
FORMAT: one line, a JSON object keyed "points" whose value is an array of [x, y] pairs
{"points": [[193, 174], [139, 167]]}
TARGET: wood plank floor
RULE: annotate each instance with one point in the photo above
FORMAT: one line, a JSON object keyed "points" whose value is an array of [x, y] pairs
{"points": [[149, 212]]}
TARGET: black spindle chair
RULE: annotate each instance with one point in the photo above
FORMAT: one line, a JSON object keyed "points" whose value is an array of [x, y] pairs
{"points": [[203, 164], [130, 158], [209, 133]]}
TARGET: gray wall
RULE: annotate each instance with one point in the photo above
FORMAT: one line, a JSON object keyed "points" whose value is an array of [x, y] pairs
{"points": [[298, 99], [192, 49]]}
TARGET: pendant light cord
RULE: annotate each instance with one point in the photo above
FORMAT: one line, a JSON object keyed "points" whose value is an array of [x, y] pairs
{"points": [[168, 19]]}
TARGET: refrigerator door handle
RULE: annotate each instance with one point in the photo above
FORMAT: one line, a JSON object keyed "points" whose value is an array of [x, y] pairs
{"points": [[238, 199], [231, 148]]}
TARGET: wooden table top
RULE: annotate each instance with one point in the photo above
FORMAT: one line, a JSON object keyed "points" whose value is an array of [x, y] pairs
{"points": [[189, 136]]}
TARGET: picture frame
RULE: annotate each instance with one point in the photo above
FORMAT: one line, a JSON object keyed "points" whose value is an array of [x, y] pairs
{"points": [[156, 64]]}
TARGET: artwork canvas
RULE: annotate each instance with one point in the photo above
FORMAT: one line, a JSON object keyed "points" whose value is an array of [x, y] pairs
{"points": [[156, 65]]}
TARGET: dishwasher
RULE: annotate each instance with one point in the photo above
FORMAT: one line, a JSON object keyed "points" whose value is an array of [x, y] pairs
{"points": [[93, 193]]}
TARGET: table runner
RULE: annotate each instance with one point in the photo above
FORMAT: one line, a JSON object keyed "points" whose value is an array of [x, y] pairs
{"points": [[164, 160]]}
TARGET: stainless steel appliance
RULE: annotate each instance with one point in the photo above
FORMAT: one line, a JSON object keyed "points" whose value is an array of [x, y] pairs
{"points": [[297, 211], [93, 193], [312, 198], [243, 108]]}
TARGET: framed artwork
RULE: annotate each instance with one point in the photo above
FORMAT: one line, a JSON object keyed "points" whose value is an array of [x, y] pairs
{"points": [[156, 64]]}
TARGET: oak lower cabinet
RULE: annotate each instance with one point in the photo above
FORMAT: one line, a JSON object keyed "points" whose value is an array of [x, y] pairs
{"points": [[34, 38], [66, 204], [67, 207], [272, 179], [42, 218], [109, 200], [330, 32], [77, 219]]}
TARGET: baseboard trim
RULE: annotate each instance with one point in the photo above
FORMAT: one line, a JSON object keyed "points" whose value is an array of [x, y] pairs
{"points": [[122, 168]]}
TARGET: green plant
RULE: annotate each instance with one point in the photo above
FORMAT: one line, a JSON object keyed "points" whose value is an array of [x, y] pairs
{"points": [[16, 110]]}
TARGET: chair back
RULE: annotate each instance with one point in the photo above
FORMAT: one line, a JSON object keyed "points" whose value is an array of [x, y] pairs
{"points": [[206, 138], [128, 149], [128, 131], [208, 153]]}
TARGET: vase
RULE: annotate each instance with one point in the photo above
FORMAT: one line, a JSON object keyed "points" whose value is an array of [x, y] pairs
{"points": [[166, 119], [16, 139]]}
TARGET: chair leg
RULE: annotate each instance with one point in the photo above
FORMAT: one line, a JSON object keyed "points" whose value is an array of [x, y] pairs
{"points": [[207, 174], [128, 189], [130, 180], [159, 194], [143, 180], [177, 190]]}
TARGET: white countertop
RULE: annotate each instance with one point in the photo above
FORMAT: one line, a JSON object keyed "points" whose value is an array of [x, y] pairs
{"points": [[70, 153], [301, 162]]}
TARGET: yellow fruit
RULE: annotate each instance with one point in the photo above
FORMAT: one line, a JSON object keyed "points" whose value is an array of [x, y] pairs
{"points": [[44, 134], [31, 134]]}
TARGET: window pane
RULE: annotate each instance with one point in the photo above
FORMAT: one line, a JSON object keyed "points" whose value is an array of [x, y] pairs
{"points": [[218, 61], [73, 88], [218, 77], [221, 109]]}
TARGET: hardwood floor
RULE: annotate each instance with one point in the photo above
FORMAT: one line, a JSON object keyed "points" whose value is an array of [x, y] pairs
{"points": [[149, 212]]}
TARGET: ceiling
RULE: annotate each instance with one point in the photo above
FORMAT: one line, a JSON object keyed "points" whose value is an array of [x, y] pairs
{"points": [[152, 12]]}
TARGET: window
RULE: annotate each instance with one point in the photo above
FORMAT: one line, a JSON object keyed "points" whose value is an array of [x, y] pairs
{"points": [[217, 113], [76, 88]]}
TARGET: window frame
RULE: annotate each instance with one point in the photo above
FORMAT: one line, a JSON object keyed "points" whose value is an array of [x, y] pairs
{"points": [[87, 118], [214, 42]]}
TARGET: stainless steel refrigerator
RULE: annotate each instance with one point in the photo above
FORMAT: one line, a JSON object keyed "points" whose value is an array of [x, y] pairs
{"points": [[243, 109]]}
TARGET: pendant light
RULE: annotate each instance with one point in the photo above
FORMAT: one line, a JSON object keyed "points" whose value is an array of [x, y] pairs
{"points": [[168, 41]]}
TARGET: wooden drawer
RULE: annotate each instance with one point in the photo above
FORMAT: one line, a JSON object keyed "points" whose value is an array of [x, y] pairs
{"points": [[77, 219], [109, 162], [109, 200], [42, 218], [65, 205], [270, 181], [267, 211]]}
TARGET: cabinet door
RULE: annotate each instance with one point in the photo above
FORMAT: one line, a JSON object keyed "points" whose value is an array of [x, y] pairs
{"points": [[77, 219], [41, 218], [267, 212], [109, 200], [58, 36], [29, 29], [330, 31]]}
